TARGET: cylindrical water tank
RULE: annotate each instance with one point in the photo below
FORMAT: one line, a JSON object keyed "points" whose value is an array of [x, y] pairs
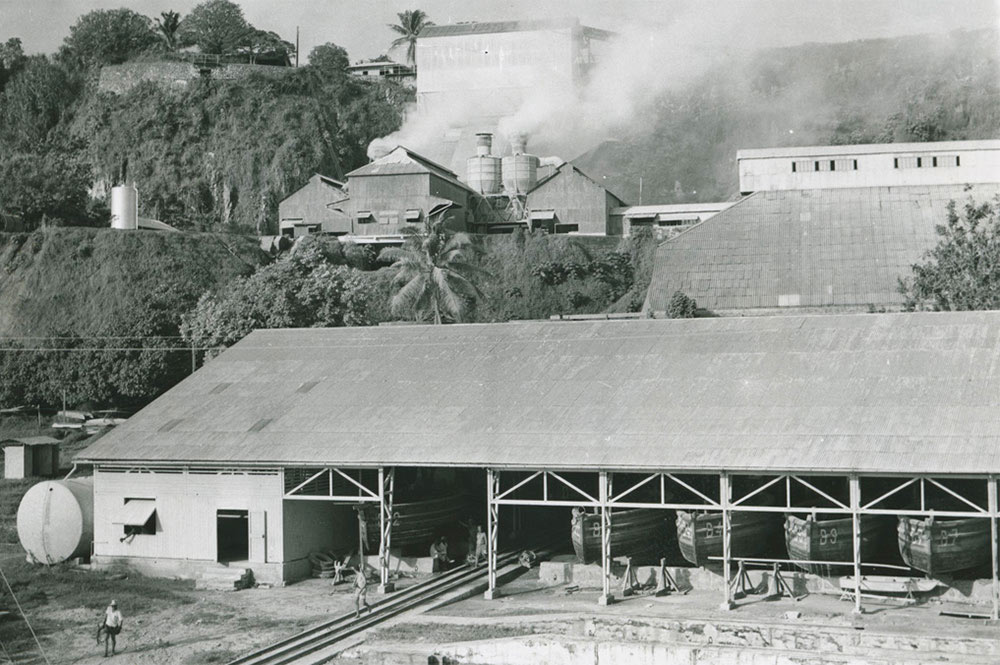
{"points": [[483, 174], [55, 520], [520, 173], [124, 207]]}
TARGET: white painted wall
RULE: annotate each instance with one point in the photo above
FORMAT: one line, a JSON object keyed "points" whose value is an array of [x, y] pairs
{"points": [[186, 506], [762, 170]]}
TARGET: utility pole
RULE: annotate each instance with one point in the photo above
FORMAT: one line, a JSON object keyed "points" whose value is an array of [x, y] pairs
{"points": [[640, 190], [296, 46]]}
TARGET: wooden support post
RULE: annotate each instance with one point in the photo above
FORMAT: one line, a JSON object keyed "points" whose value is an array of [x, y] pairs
{"points": [[492, 531], [604, 480], [855, 494], [386, 489], [991, 490], [725, 496]]}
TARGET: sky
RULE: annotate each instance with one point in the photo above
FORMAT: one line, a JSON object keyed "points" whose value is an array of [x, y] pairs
{"points": [[360, 25]]}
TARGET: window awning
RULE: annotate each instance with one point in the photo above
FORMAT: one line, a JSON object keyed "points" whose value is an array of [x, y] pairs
{"points": [[543, 214], [136, 512], [413, 215]]}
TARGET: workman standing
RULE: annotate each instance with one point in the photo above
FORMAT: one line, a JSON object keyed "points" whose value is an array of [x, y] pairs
{"points": [[360, 591], [481, 549], [439, 555], [113, 621]]}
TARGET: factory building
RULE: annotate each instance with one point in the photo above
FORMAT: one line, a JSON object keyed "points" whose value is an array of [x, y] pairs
{"points": [[316, 207], [374, 71], [261, 454], [570, 201], [838, 248], [399, 190], [830, 227], [877, 165], [486, 72], [665, 216], [498, 65]]}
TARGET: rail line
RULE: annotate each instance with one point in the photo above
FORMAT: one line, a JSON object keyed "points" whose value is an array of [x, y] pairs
{"points": [[311, 640]]}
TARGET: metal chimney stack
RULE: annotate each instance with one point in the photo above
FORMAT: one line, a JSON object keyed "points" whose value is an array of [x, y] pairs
{"points": [[484, 144]]}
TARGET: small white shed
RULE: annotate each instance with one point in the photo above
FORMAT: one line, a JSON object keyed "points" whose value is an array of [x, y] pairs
{"points": [[28, 456]]}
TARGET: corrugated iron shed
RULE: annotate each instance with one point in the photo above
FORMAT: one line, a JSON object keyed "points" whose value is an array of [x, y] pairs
{"points": [[815, 248], [889, 393]]}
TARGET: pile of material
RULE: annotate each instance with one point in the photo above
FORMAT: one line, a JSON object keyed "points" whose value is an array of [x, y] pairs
{"points": [[325, 565]]}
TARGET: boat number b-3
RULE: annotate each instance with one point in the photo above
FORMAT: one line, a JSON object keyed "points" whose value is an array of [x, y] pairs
{"points": [[947, 537], [827, 536]]}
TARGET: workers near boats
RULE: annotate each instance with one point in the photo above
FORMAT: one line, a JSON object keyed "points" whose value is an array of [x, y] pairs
{"points": [[439, 555], [360, 591]]}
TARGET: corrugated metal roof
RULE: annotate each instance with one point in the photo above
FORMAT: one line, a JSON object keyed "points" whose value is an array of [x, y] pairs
{"points": [[403, 161], [496, 26], [821, 247], [890, 393], [867, 149]]}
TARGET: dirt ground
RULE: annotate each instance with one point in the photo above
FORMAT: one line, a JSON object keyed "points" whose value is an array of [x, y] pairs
{"points": [[166, 621]]}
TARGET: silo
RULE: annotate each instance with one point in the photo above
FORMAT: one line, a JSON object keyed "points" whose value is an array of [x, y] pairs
{"points": [[483, 170], [520, 170], [124, 207], [55, 520]]}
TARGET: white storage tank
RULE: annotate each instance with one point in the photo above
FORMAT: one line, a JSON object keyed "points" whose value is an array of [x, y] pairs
{"points": [[55, 520], [124, 207], [483, 170], [520, 170]]}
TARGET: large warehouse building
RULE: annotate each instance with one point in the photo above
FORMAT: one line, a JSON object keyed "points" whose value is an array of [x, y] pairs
{"points": [[824, 227], [224, 466]]}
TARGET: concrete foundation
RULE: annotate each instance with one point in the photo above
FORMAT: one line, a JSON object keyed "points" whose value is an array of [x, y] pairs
{"points": [[588, 576], [644, 640]]}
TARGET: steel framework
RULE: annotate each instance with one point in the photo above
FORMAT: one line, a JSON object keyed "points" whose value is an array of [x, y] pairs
{"points": [[857, 505]]}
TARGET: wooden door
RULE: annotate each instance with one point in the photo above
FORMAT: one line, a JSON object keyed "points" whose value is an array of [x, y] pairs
{"points": [[258, 536]]}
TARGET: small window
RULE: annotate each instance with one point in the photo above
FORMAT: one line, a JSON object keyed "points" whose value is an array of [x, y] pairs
{"points": [[946, 160], [906, 162], [388, 217], [365, 217], [844, 165], [804, 166], [138, 517], [824, 165]]}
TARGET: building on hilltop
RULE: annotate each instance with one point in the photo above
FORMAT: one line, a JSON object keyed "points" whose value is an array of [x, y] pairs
{"points": [[382, 70], [875, 165], [475, 74], [497, 65]]}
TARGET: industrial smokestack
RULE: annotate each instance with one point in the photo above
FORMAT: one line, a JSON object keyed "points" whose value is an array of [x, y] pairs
{"points": [[484, 144]]}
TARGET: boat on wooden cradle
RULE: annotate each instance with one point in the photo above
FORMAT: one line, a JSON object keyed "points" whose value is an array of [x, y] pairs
{"points": [[639, 533], [415, 522], [700, 535], [936, 546], [813, 539]]}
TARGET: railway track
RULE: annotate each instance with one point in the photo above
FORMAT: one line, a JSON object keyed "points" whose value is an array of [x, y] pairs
{"points": [[301, 645]]}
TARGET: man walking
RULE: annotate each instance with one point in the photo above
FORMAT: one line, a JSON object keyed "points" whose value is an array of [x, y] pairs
{"points": [[360, 591], [481, 548], [112, 626]]}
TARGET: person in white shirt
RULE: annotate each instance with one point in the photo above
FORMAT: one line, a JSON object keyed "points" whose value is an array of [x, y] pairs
{"points": [[112, 625]]}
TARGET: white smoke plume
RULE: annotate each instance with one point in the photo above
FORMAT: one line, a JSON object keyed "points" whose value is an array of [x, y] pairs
{"points": [[632, 71]]}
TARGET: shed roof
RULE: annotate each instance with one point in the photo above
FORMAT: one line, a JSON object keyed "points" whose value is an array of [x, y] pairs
{"points": [[29, 441], [567, 169], [403, 161], [889, 393], [819, 247], [475, 28]]}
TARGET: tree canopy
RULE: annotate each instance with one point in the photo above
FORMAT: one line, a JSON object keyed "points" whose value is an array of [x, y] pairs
{"points": [[110, 36], [435, 276], [216, 27], [411, 22], [329, 60], [963, 271], [167, 26]]}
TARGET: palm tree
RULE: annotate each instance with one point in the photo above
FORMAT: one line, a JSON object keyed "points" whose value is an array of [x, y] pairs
{"points": [[411, 22], [434, 275], [166, 28]]}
